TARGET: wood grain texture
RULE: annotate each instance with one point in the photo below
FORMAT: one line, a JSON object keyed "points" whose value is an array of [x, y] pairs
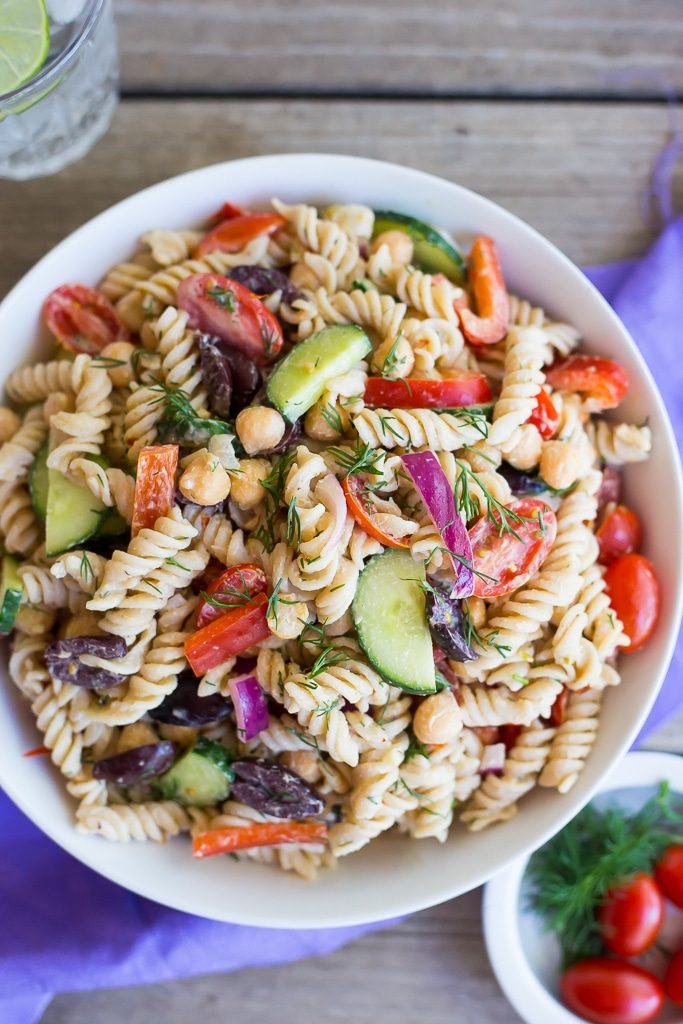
{"points": [[577, 173], [558, 47]]}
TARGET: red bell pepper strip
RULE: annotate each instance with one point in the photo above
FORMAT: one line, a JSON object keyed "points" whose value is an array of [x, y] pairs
{"points": [[232, 587], [233, 234], [154, 485], [231, 634], [490, 296], [36, 752], [226, 212], [545, 416], [361, 509], [603, 381], [467, 388], [266, 833]]}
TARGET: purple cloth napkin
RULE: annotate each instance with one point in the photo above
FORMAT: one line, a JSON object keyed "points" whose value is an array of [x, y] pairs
{"points": [[66, 928]]}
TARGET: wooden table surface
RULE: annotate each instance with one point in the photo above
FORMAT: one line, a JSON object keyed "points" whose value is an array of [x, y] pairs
{"points": [[556, 110]]}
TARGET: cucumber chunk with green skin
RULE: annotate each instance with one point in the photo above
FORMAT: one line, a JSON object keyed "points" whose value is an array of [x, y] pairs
{"points": [[73, 514], [390, 615], [38, 482], [10, 593], [432, 253], [112, 524], [299, 380], [201, 777]]}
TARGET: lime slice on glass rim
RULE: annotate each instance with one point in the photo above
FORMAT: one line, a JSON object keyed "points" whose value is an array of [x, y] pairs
{"points": [[24, 41]]}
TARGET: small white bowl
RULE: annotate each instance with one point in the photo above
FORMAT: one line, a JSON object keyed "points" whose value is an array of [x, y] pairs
{"points": [[393, 875], [525, 958]]}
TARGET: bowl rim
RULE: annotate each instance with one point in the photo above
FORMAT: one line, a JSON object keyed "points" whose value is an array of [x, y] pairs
{"points": [[501, 911], [409, 903]]}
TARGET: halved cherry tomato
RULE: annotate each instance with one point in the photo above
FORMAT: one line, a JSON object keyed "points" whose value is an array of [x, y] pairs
{"points": [[604, 381], [509, 734], [559, 708], [673, 979], [236, 232], [467, 388], [223, 307], [630, 916], [545, 416], [82, 319], [262, 833], [611, 991], [226, 212], [619, 533], [154, 485], [488, 734], [231, 588], [231, 634], [360, 507], [511, 558], [609, 490], [634, 593], [669, 874], [490, 296]]}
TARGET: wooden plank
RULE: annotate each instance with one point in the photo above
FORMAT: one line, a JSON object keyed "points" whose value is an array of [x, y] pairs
{"points": [[576, 172], [559, 47]]}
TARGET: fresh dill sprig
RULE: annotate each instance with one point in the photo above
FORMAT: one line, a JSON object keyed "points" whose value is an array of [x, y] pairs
{"points": [[293, 535], [474, 638], [85, 568], [359, 459], [505, 518], [274, 486], [275, 600], [361, 285], [328, 657], [571, 874], [179, 415], [332, 417], [414, 747], [224, 297], [238, 596], [327, 707], [392, 360], [106, 363]]}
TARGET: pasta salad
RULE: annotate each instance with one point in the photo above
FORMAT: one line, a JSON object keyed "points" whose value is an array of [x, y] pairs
{"points": [[311, 530]]}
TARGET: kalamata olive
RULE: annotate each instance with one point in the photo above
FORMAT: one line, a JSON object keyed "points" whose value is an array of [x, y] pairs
{"points": [[446, 624], [263, 281], [273, 789], [216, 375], [246, 377], [63, 661], [291, 435], [522, 483], [100, 646], [137, 764], [185, 707]]}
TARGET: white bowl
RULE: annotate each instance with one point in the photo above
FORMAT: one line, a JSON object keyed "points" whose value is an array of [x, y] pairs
{"points": [[524, 957], [393, 875]]}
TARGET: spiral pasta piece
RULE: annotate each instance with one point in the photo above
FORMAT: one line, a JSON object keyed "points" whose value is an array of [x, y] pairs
{"points": [[573, 741], [496, 705], [431, 778], [332, 259], [621, 443], [418, 428], [17, 454], [526, 353], [85, 567], [19, 525], [156, 820], [27, 667], [42, 589]]}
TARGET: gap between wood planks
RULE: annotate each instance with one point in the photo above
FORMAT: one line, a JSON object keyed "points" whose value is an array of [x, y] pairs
{"points": [[405, 95]]}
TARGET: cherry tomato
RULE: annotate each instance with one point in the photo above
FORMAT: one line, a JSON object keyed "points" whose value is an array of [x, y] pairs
{"points": [[559, 708], [231, 588], [631, 915], [619, 533], [490, 296], [226, 212], [609, 490], [467, 388], [361, 509], [233, 234], [509, 734], [82, 319], [669, 874], [545, 416], [154, 485], [223, 307], [231, 634], [673, 979], [603, 381], [611, 992], [488, 734], [511, 557], [634, 594]]}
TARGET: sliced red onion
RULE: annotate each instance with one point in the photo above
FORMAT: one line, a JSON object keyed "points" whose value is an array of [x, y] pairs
{"points": [[251, 709], [433, 487], [492, 759]]}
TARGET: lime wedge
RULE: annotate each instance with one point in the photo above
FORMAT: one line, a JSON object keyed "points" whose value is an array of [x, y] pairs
{"points": [[24, 41]]}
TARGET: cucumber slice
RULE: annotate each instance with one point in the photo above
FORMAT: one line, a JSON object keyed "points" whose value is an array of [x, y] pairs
{"points": [[299, 380], [73, 514], [433, 252], [38, 482], [201, 777], [10, 593], [389, 613]]}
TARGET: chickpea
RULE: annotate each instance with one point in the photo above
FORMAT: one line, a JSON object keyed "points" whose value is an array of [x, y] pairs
{"points": [[476, 608], [34, 621], [400, 246], [259, 428], [138, 734], [559, 464], [288, 620], [122, 351], [437, 719], [246, 489], [400, 356], [318, 427], [205, 482], [527, 451], [221, 445], [185, 735], [304, 762], [9, 423]]}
